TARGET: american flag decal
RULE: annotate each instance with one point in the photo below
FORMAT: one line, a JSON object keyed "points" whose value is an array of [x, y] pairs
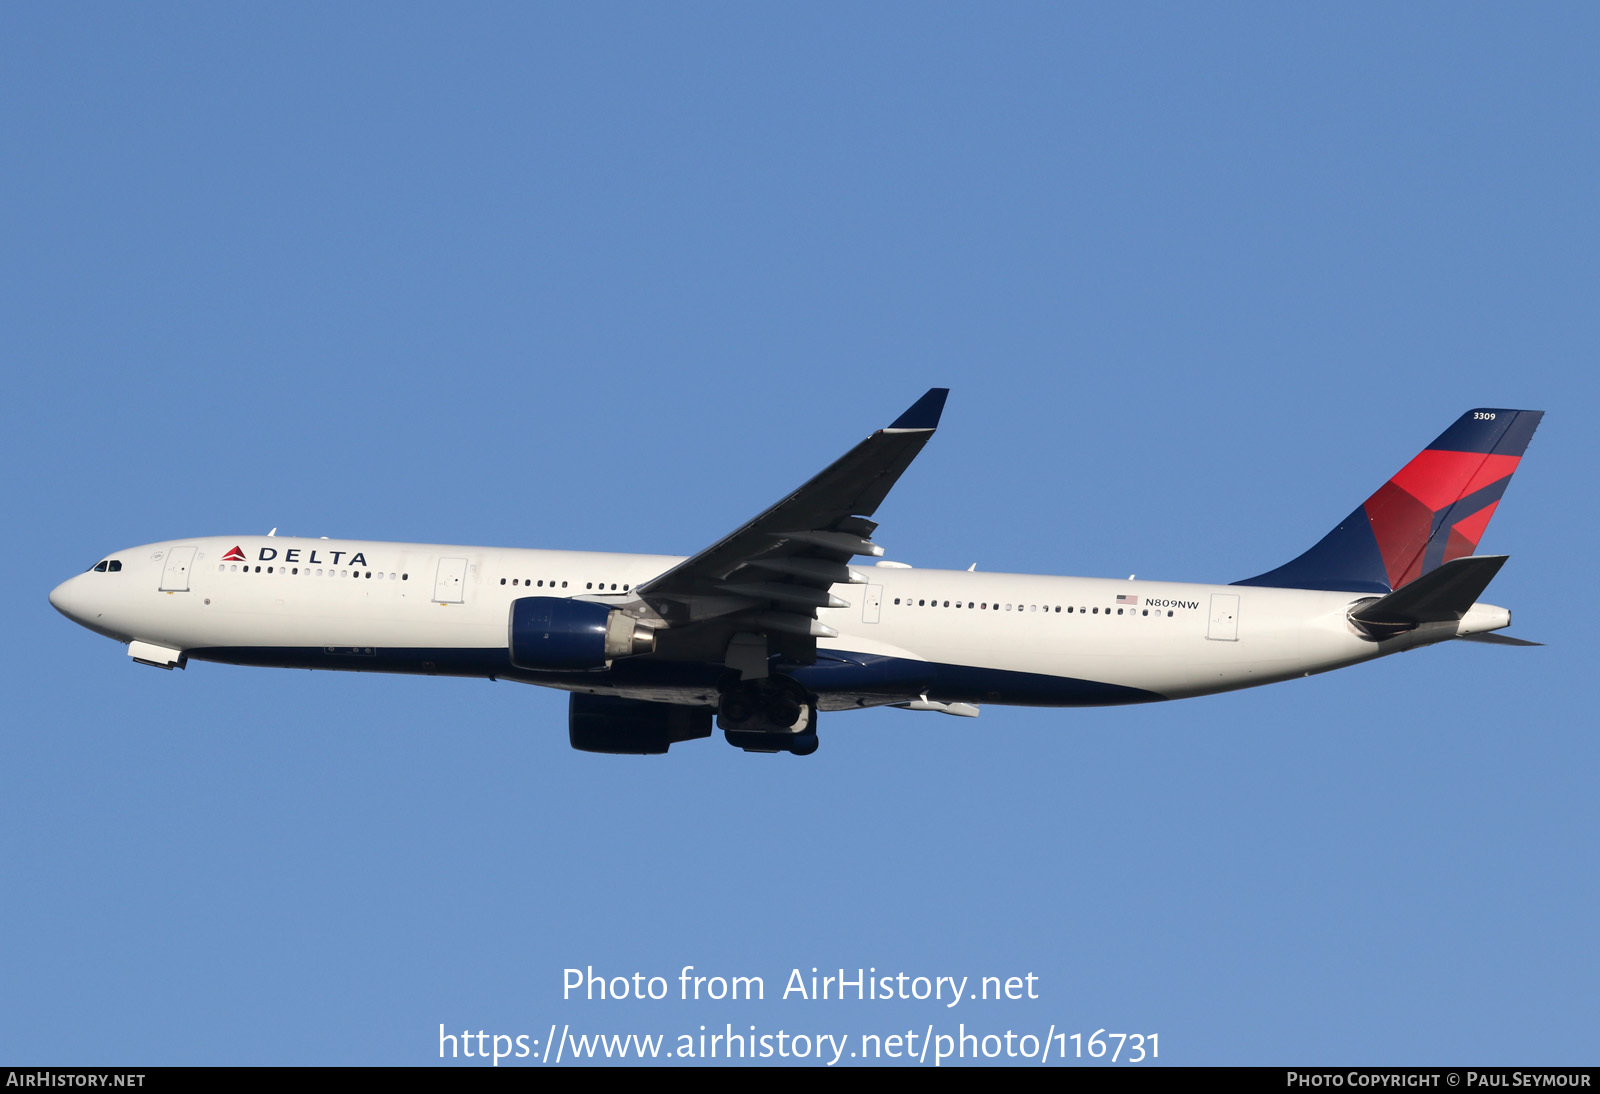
{"points": [[1133, 600]]}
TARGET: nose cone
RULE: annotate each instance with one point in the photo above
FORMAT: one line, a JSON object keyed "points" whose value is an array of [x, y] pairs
{"points": [[68, 599]]}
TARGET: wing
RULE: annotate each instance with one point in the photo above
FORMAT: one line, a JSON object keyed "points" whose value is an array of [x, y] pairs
{"points": [[770, 576]]}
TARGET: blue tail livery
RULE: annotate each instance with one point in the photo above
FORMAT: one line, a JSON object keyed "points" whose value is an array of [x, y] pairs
{"points": [[1433, 510]]}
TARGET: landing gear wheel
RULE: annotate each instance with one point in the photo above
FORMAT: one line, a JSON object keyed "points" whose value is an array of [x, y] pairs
{"points": [[776, 704], [738, 707], [775, 714], [785, 710]]}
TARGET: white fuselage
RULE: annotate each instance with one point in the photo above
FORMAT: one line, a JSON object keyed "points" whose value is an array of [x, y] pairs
{"points": [[907, 633]]}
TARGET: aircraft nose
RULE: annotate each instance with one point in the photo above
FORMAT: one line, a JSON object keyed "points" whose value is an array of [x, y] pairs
{"points": [[67, 598]]}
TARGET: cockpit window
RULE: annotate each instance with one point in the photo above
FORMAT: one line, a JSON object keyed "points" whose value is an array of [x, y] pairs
{"points": [[101, 567], [114, 566]]}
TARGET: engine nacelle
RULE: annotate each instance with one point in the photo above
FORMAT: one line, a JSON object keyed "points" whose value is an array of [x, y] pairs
{"points": [[632, 727], [552, 632]]}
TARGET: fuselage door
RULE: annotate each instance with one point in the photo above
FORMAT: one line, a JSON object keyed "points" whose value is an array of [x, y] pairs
{"points": [[1224, 625], [175, 575], [872, 605], [449, 587]]}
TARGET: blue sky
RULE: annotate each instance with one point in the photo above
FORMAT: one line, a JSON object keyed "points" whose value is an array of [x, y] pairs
{"points": [[617, 277]]}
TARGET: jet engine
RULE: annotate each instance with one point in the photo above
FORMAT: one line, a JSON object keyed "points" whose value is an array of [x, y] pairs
{"points": [[632, 727], [552, 632]]}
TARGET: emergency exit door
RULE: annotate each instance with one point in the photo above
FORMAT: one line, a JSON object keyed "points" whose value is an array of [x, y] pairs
{"points": [[872, 606], [175, 575], [449, 586], [1224, 624]]}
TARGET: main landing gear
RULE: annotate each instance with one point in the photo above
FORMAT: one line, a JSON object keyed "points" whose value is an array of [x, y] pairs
{"points": [[773, 714]]}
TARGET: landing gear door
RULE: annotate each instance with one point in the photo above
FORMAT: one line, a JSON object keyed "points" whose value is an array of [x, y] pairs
{"points": [[175, 576], [872, 605], [1224, 624], [450, 585]]}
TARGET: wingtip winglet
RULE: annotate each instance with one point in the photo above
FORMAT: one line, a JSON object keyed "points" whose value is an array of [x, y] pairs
{"points": [[925, 412]]}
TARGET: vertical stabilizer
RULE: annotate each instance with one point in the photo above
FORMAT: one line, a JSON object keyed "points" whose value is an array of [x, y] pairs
{"points": [[1433, 510]]}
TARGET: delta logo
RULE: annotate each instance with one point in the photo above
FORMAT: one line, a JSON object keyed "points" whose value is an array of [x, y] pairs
{"points": [[293, 554]]}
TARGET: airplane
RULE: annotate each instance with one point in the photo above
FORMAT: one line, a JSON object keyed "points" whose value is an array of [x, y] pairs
{"points": [[774, 623]]}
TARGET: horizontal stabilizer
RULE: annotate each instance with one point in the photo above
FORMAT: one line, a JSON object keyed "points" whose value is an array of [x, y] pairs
{"points": [[1499, 639], [1442, 595]]}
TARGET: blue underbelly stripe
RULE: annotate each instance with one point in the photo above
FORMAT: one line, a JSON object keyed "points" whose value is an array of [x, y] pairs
{"points": [[835, 671]]}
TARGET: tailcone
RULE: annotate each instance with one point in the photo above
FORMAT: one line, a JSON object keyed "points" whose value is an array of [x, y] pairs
{"points": [[1483, 618]]}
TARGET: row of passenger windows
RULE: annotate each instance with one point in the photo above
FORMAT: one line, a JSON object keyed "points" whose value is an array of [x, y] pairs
{"points": [[1046, 608], [114, 566], [309, 572]]}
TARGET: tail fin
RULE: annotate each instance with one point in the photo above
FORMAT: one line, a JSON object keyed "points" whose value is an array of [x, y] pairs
{"points": [[1434, 510]]}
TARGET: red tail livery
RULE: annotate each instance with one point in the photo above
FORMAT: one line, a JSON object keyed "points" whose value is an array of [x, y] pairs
{"points": [[1433, 510]]}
